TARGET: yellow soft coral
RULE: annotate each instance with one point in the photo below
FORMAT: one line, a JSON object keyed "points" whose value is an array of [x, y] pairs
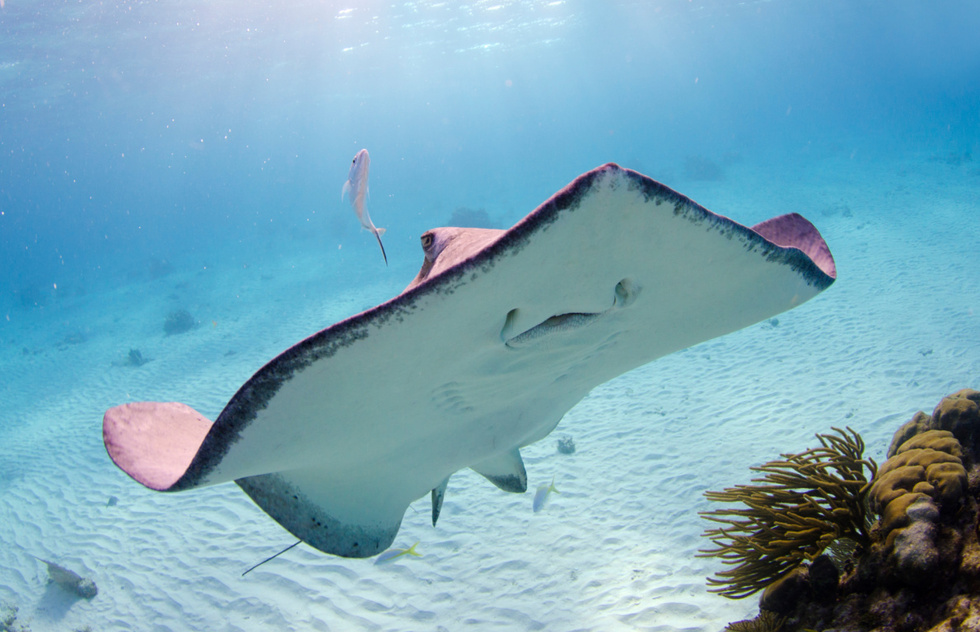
{"points": [[804, 503]]}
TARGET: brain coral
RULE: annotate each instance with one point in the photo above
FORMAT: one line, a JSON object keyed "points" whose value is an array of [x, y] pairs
{"points": [[921, 569], [958, 413], [926, 466]]}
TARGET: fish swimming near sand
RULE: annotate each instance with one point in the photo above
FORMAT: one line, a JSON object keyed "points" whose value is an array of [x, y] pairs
{"points": [[356, 187], [541, 496], [392, 554], [496, 338], [70, 580]]}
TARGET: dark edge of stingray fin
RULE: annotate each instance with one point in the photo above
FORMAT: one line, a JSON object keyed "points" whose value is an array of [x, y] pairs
{"points": [[288, 504], [505, 470]]}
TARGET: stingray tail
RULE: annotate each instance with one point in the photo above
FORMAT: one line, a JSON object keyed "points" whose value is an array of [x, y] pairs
{"points": [[377, 233], [272, 557]]}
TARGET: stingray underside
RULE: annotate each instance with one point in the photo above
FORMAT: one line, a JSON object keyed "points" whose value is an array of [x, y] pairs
{"points": [[501, 334]]}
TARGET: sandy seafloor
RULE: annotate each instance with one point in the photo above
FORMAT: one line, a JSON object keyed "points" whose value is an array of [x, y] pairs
{"points": [[615, 550]]}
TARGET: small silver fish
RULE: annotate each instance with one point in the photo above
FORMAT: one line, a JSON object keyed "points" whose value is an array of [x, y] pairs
{"points": [[356, 187], [391, 554], [541, 496]]}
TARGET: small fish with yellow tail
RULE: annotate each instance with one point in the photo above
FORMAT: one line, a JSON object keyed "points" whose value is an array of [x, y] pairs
{"points": [[356, 187], [392, 554], [541, 496]]}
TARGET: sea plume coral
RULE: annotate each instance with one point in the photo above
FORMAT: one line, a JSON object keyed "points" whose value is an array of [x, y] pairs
{"points": [[801, 505], [766, 622]]}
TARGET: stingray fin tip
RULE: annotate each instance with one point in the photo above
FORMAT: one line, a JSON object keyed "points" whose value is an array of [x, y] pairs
{"points": [[154, 442]]}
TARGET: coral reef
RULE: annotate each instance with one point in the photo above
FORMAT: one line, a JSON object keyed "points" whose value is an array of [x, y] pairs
{"points": [[135, 358], [926, 473], [159, 268], [465, 217], [954, 158], [956, 413], [703, 169], [804, 503], [767, 621], [838, 208], [920, 571], [566, 445], [33, 296], [74, 338], [8, 620], [178, 322]]}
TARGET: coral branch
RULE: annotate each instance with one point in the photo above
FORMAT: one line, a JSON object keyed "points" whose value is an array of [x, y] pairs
{"points": [[801, 505]]}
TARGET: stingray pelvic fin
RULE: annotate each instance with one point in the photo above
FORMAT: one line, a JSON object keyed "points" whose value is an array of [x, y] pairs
{"points": [[438, 493], [505, 470]]}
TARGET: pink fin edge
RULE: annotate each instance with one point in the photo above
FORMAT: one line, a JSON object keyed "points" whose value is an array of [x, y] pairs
{"points": [[154, 442], [795, 231]]}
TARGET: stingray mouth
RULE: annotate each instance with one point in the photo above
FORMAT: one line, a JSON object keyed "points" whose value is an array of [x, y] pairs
{"points": [[561, 323], [623, 294]]}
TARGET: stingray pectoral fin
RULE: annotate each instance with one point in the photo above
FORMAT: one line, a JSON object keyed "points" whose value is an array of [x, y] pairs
{"points": [[505, 470], [353, 522], [154, 442], [795, 231]]}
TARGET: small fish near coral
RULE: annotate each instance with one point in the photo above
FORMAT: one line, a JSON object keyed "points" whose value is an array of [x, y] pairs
{"points": [[610, 273]]}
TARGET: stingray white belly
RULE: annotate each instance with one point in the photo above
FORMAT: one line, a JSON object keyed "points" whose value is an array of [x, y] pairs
{"points": [[499, 335]]}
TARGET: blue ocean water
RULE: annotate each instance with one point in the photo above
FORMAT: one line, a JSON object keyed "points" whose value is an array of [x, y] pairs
{"points": [[162, 155], [139, 132]]}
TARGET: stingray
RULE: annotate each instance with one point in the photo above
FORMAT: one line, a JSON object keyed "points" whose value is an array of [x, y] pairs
{"points": [[499, 335]]}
